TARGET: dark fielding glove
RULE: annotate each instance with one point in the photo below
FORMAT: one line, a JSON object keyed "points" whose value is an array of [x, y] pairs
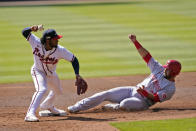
{"points": [[81, 85]]}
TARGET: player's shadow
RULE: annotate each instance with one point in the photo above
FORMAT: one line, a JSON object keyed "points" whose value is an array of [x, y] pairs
{"points": [[89, 119], [174, 109], [79, 118]]}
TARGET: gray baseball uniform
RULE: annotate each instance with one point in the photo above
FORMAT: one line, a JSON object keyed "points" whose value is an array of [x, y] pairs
{"points": [[128, 98]]}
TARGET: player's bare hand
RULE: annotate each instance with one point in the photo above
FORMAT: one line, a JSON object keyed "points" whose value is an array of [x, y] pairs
{"points": [[132, 37], [34, 28]]}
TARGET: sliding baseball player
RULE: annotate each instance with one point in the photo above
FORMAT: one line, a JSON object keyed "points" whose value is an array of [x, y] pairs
{"points": [[159, 86]]}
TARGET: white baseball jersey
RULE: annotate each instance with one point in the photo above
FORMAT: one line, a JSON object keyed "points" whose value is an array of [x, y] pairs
{"points": [[46, 61], [156, 83]]}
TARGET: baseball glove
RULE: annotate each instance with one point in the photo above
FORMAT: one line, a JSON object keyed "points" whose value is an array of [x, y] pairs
{"points": [[81, 85]]}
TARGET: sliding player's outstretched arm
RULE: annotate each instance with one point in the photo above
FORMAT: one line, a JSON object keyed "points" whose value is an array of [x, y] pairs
{"points": [[146, 56], [142, 51]]}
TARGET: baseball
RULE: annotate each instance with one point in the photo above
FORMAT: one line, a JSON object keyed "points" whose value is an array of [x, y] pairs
{"points": [[40, 27]]}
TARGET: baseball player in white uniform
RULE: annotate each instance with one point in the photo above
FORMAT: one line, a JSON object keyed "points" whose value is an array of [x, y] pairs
{"points": [[47, 53], [158, 87]]}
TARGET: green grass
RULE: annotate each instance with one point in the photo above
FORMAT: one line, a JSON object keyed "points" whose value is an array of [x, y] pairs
{"points": [[158, 125], [98, 35]]}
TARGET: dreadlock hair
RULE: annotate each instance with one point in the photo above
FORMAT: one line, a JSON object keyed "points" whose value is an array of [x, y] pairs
{"points": [[43, 40]]}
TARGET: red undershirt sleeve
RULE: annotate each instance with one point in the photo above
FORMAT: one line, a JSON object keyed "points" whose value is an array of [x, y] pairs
{"points": [[146, 57]]}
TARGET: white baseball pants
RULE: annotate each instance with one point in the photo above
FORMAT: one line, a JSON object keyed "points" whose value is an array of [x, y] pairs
{"points": [[41, 82], [127, 98]]}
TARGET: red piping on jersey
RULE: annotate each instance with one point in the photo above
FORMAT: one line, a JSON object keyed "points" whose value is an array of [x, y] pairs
{"points": [[28, 36], [147, 57], [156, 98], [72, 58], [46, 62], [36, 91], [48, 69], [42, 62], [52, 52], [44, 68], [50, 62]]}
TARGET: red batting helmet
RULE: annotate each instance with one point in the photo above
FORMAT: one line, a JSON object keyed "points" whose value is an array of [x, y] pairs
{"points": [[174, 66]]}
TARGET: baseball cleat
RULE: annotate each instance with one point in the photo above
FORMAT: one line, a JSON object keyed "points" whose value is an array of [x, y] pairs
{"points": [[52, 112], [72, 109], [111, 106], [31, 118]]}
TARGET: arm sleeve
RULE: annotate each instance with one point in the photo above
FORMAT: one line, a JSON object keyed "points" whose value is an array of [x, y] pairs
{"points": [[76, 65], [65, 54], [138, 46], [33, 40], [26, 32], [147, 58]]}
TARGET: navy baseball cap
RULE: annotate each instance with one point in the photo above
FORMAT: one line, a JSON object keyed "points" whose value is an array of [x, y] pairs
{"points": [[51, 33]]}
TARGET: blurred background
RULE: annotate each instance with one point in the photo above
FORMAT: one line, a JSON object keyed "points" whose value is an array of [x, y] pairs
{"points": [[97, 33]]}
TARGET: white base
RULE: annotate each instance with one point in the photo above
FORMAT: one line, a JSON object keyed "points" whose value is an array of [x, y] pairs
{"points": [[48, 113]]}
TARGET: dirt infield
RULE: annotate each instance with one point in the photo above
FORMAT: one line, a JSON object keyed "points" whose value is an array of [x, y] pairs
{"points": [[15, 99]]}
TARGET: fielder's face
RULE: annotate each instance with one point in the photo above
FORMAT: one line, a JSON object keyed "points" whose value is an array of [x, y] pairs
{"points": [[53, 42]]}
